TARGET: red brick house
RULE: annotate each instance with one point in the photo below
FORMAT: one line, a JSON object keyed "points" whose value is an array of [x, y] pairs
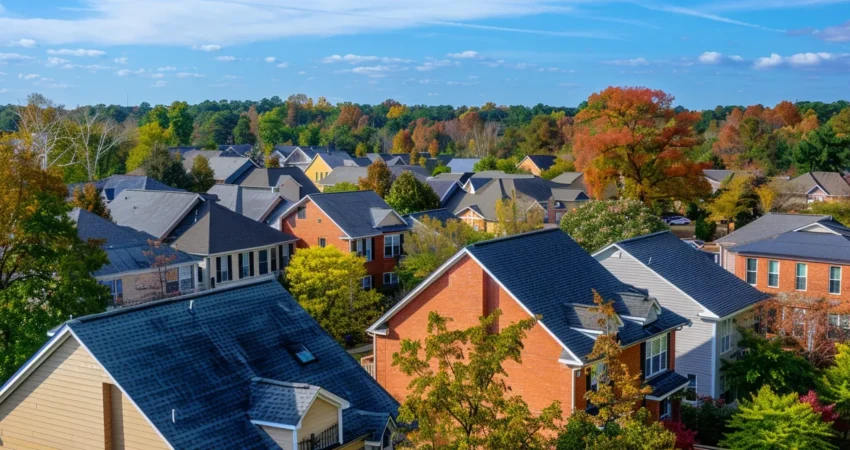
{"points": [[543, 274], [359, 222]]}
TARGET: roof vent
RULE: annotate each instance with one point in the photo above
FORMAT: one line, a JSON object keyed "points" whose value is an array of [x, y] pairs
{"points": [[173, 415], [192, 306], [650, 261]]}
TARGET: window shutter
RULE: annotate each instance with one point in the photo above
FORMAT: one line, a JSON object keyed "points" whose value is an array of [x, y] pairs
{"points": [[251, 263], [352, 245], [218, 268], [643, 361], [587, 381], [373, 247], [670, 352], [229, 267], [401, 244], [239, 264]]}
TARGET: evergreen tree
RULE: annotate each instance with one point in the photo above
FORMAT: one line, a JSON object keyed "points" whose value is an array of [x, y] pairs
{"points": [[180, 123], [765, 362], [162, 166], [242, 132]]}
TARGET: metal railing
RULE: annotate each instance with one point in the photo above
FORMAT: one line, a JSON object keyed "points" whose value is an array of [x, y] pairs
{"points": [[326, 439]]}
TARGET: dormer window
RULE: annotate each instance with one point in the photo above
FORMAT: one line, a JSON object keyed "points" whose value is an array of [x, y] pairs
{"points": [[301, 353]]}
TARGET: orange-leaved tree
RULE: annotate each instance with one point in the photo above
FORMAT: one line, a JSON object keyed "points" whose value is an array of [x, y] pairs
{"points": [[633, 134]]}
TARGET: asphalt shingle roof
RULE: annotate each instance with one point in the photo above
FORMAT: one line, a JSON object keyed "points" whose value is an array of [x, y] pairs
{"points": [[568, 177], [461, 165], [154, 212], [802, 245], [547, 271], [353, 212], [768, 225], [443, 215], [489, 191], [443, 188], [252, 203], [198, 364], [220, 230], [279, 402], [115, 184], [831, 182], [351, 174], [256, 177], [712, 286], [543, 162], [666, 383], [225, 167]]}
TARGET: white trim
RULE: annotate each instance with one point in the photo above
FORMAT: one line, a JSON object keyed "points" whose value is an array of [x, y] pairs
{"points": [[573, 396], [473, 212], [584, 330], [523, 160], [263, 423], [339, 424], [818, 187], [713, 357], [816, 224], [111, 378], [747, 271], [778, 271], [658, 399], [707, 313]]}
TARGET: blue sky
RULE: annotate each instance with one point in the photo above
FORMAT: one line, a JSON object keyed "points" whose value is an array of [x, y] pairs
{"points": [[433, 51]]}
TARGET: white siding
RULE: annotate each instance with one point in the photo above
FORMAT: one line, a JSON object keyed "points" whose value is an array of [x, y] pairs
{"points": [[693, 344]]}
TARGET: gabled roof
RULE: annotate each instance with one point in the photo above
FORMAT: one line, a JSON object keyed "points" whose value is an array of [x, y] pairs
{"points": [[568, 177], [189, 156], [719, 176], [549, 275], [831, 246], [189, 363], [443, 215], [256, 177], [128, 250], [226, 167], [336, 159], [111, 186], [569, 195], [443, 188], [254, 204], [460, 177], [710, 285], [236, 150], [154, 212], [461, 165], [220, 230], [832, 184], [351, 174], [488, 192], [543, 162], [355, 212], [768, 225]]}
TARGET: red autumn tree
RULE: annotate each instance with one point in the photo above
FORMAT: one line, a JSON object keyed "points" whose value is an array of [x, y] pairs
{"points": [[349, 115], [634, 134], [402, 142]]}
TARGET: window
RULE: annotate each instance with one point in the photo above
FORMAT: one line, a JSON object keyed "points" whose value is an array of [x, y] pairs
{"points": [[274, 258], [390, 278], [773, 274], [264, 262], [363, 248], [302, 212], [692, 382], [835, 280], [656, 356], [222, 268], [366, 282], [839, 325], [322, 242], [752, 270], [301, 353], [244, 265], [186, 280], [392, 245], [725, 329], [598, 374], [116, 289], [664, 409], [802, 273]]}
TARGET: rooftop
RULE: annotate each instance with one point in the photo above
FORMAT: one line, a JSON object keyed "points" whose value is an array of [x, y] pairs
{"points": [[355, 213], [770, 224]]}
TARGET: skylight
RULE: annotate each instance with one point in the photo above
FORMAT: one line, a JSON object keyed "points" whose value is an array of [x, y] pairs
{"points": [[300, 352]]}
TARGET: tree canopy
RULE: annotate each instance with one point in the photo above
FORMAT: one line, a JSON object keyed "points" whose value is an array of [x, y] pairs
{"points": [[594, 225], [408, 195]]}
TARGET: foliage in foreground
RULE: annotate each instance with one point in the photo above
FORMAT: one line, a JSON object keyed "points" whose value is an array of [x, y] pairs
{"points": [[764, 362], [596, 224], [709, 418], [408, 195]]}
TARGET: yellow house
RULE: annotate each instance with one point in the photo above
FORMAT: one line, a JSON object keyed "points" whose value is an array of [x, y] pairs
{"points": [[324, 163], [237, 367]]}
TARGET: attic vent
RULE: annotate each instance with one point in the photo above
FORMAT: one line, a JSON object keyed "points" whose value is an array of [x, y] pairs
{"points": [[301, 353]]}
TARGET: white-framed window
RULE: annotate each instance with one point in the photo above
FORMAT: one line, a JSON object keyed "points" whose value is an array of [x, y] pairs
{"points": [[692, 382], [598, 374], [186, 279], [390, 278], [392, 245], [263, 258], [802, 276], [363, 248], [835, 280], [664, 409], [366, 282], [725, 328], [656, 356], [840, 321], [323, 242], [798, 322], [773, 273], [244, 265], [752, 271], [116, 289]]}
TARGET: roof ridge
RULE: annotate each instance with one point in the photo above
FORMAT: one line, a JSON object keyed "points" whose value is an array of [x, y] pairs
{"points": [[166, 301], [644, 236], [511, 237], [290, 384]]}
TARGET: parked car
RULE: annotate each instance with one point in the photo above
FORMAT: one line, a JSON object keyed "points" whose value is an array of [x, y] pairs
{"points": [[676, 220]]}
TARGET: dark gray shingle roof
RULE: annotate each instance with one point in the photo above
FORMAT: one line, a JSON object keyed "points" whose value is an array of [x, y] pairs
{"points": [[154, 212], [443, 215], [200, 363], [768, 225], [543, 162], [220, 230], [280, 402], [666, 383], [712, 286], [256, 177], [831, 182], [802, 245], [354, 212]]}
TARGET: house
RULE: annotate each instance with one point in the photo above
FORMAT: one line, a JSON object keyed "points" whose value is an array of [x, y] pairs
{"points": [[352, 174], [810, 261], [476, 203], [537, 164], [276, 180], [390, 160], [236, 150], [460, 177], [229, 246], [461, 165], [542, 274], [227, 169], [138, 270], [443, 188], [300, 155], [190, 155], [238, 367], [324, 163], [415, 219], [684, 281], [716, 178], [814, 187], [575, 180], [359, 222], [265, 194], [765, 227], [112, 186]]}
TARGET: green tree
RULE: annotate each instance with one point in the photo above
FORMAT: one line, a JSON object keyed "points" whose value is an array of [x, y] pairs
{"points": [[242, 133], [408, 195], [822, 150], [361, 150], [342, 186], [640, 433], [379, 178], [151, 136], [157, 115], [441, 168], [839, 209], [272, 130], [202, 175], [89, 199], [162, 166], [219, 128], [507, 165], [327, 283], [310, 135], [835, 384], [773, 421], [513, 219], [596, 224], [763, 362], [731, 201], [561, 165], [45, 269], [180, 123], [458, 396]]}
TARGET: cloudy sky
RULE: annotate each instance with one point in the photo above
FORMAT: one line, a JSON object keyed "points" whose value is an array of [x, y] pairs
{"points": [[434, 52]]}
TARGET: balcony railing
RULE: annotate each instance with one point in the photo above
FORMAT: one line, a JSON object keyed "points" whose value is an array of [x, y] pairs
{"points": [[368, 364], [326, 439]]}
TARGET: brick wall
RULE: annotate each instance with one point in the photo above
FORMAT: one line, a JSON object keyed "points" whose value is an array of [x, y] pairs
{"points": [[318, 225], [817, 283]]}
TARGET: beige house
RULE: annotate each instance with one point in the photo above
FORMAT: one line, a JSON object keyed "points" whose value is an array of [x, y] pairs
{"points": [[238, 367]]}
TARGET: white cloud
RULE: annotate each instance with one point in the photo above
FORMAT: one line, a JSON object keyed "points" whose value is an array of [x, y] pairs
{"points": [[53, 61], [282, 65], [30, 76], [433, 64], [628, 62], [76, 52], [126, 72], [3, 91], [226, 58], [466, 54], [360, 59], [461, 83], [231, 77], [121, 60], [166, 69], [708, 16], [433, 94], [14, 57], [270, 59], [799, 60], [715, 58], [160, 84], [207, 48], [190, 75], [302, 72], [157, 75], [25, 43]]}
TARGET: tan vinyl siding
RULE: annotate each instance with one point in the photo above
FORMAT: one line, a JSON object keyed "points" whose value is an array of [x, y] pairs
{"points": [[321, 416], [60, 405], [281, 437]]}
